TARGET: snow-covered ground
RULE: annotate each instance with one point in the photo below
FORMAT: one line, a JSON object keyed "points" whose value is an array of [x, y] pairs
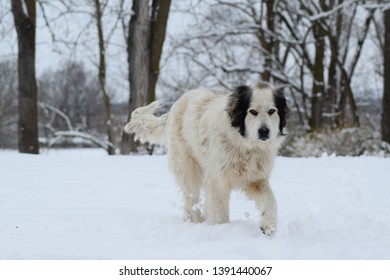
{"points": [[86, 205]]}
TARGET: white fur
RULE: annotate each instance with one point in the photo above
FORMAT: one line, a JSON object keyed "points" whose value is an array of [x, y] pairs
{"points": [[204, 150]]}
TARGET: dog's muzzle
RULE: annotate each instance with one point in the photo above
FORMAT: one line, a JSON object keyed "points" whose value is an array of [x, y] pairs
{"points": [[263, 133]]}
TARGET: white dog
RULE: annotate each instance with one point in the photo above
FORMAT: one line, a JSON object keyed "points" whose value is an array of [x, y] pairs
{"points": [[220, 142]]}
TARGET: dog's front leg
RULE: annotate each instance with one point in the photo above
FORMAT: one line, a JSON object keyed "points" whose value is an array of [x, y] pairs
{"points": [[264, 198]]}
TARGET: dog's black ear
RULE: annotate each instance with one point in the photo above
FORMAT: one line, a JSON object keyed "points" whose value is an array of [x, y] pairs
{"points": [[237, 107], [281, 104]]}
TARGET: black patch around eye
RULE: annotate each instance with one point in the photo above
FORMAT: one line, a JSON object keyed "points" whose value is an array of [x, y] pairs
{"points": [[237, 107], [281, 105]]}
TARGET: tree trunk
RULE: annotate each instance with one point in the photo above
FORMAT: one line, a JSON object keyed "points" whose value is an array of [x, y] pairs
{"points": [[386, 92], [25, 18], [102, 80], [160, 12], [333, 87], [267, 42], [318, 80], [138, 60], [331, 92], [349, 94]]}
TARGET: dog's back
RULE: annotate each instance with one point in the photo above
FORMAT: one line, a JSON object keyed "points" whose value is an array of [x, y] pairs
{"points": [[194, 115], [190, 108]]}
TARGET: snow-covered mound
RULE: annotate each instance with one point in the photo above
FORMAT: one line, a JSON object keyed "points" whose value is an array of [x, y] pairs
{"points": [[88, 206]]}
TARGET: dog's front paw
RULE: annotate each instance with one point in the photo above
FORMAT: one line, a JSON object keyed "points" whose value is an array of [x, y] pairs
{"points": [[268, 228]]}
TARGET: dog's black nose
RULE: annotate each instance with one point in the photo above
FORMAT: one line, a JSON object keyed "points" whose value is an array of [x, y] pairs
{"points": [[263, 133]]}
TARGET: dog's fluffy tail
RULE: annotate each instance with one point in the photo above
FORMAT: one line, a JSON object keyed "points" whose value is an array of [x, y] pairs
{"points": [[146, 126]]}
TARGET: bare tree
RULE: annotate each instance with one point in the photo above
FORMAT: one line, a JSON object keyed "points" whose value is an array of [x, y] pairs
{"points": [[24, 13], [138, 60], [333, 26], [104, 16], [8, 104], [102, 78], [386, 92], [145, 42], [158, 25]]}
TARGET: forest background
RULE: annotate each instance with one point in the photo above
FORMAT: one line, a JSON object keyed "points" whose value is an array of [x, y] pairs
{"points": [[71, 72]]}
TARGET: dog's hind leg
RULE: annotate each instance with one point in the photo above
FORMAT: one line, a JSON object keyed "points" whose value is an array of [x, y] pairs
{"points": [[189, 177], [265, 201]]}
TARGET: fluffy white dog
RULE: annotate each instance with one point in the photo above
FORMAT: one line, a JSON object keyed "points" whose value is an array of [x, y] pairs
{"points": [[220, 142]]}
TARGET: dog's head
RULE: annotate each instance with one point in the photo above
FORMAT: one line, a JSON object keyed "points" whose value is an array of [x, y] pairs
{"points": [[259, 112]]}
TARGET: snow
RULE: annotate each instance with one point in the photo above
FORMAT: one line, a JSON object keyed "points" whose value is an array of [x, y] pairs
{"points": [[86, 205]]}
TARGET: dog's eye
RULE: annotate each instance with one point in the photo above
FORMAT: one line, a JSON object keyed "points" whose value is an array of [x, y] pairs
{"points": [[253, 112], [271, 111]]}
